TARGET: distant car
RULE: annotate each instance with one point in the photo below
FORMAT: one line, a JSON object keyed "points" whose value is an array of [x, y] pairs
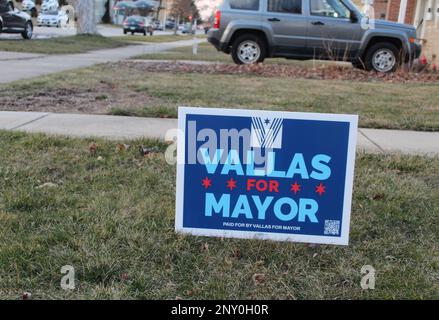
{"points": [[53, 19], [14, 21], [187, 28], [157, 25], [138, 24], [49, 5], [29, 6], [169, 24]]}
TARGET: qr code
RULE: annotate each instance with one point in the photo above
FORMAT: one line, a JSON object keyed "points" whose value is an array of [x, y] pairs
{"points": [[332, 227]]}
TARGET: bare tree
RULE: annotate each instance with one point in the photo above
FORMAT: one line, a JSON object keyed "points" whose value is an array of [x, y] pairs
{"points": [[85, 13], [181, 9]]}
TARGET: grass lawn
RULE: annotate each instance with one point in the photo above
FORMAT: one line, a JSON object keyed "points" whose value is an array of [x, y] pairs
{"points": [[62, 45], [156, 38], [113, 220], [207, 52], [126, 89]]}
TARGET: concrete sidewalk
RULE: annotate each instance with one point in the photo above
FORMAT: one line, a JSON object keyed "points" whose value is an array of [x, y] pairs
{"points": [[116, 128], [31, 66]]}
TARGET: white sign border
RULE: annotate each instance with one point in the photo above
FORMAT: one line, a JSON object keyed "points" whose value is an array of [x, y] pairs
{"points": [[350, 164]]}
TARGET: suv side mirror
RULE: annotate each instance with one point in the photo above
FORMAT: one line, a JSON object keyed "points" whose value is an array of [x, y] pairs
{"points": [[353, 16]]}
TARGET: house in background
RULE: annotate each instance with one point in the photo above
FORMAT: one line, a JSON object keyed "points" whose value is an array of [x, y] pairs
{"points": [[423, 14]]}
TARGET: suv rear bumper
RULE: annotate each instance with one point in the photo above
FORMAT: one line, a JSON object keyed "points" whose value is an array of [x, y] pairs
{"points": [[213, 38]]}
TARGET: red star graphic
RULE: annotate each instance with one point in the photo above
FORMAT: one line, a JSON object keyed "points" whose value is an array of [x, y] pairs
{"points": [[231, 183], [320, 189], [295, 187], [206, 183]]}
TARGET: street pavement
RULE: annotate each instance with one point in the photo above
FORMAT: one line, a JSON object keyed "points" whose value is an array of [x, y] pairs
{"points": [[53, 32], [119, 128], [39, 65]]}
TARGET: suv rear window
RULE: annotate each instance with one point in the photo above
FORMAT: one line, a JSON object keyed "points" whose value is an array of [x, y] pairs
{"points": [[244, 4], [285, 6]]}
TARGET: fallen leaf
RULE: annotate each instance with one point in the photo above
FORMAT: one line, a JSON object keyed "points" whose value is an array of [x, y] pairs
{"points": [[378, 196], [144, 151], [26, 296], [124, 277], [92, 147], [237, 254], [258, 278], [122, 147]]}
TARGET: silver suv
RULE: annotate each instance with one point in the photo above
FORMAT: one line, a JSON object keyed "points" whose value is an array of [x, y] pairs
{"points": [[251, 30]]}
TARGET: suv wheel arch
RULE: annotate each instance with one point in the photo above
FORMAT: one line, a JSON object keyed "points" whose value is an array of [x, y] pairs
{"points": [[395, 43], [383, 57], [398, 43], [261, 34]]}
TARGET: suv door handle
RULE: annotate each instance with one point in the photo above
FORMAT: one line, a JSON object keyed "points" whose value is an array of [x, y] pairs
{"points": [[318, 23], [273, 19]]}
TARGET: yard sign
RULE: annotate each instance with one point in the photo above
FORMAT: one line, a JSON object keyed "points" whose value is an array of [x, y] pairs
{"points": [[265, 174]]}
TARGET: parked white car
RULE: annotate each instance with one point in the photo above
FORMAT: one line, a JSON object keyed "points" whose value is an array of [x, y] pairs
{"points": [[53, 19], [49, 5], [30, 7]]}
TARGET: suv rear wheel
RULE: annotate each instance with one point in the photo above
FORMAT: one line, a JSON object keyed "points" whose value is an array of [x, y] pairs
{"points": [[248, 49], [382, 57]]}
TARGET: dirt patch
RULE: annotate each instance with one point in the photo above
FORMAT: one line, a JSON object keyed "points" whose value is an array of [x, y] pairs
{"points": [[99, 99], [331, 72]]}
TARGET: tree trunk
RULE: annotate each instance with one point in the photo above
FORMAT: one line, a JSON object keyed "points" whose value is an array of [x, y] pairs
{"points": [[177, 22], [159, 8], [85, 11]]}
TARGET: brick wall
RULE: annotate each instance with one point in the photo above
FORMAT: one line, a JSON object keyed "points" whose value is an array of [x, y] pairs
{"points": [[431, 44], [393, 10], [380, 8], [410, 13]]}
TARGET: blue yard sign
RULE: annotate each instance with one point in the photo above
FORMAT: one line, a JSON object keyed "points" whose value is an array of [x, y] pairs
{"points": [[265, 174]]}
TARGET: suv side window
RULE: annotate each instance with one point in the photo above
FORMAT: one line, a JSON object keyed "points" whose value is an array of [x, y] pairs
{"points": [[329, 8], [285, 6], [244, 4]]}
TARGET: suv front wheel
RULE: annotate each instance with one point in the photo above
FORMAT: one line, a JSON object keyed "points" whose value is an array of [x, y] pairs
{"points": [[248, 49], [382, 57]]}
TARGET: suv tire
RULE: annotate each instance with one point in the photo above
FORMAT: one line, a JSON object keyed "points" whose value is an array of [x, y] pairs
{"points": [[382, 57], [248, 49]]}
